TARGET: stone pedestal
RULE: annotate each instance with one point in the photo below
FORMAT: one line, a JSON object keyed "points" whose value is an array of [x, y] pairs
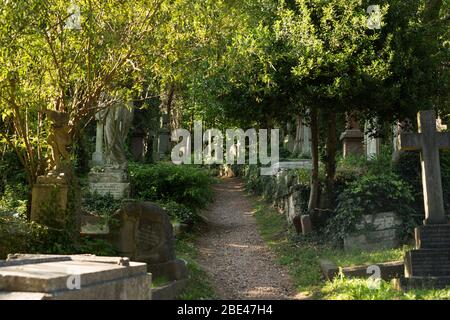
{"points": [[428, 266], [352, 141], [77, 277], [110, 180], [49, 196]]}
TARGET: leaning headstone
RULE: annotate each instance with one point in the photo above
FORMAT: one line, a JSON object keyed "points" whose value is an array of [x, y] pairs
{"points": [[75, 277], [306, 224], [429, 264], [146, 235]]}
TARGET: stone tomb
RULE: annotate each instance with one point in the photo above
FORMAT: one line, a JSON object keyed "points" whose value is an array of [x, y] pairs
{"points": [[146, 235], [429, 264], [76, 277]]}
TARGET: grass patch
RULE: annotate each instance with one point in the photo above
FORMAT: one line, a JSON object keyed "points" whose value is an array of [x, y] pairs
{"points": [[358, 289], [199, 284], [301, 256]]}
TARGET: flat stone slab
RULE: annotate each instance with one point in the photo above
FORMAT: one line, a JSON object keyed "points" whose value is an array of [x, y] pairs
{"points": [[73, 277], [388, 270]]}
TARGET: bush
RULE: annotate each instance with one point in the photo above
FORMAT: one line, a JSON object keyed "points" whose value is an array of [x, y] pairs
{"points": [[102, 206], [408, 168], [18, 235], [371, 194], [181, 213], [165, 182]]}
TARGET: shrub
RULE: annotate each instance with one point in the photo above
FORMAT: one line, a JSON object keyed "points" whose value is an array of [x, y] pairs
{"points": [[371, 194], [18, 235], [187, 185], [102, 206], [181, 213], [408, 168]]}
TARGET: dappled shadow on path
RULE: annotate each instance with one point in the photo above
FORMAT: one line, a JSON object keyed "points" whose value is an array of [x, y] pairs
{"points": [[233, 253]]}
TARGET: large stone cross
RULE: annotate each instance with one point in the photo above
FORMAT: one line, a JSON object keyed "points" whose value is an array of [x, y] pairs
{"points": [[429, 142]]}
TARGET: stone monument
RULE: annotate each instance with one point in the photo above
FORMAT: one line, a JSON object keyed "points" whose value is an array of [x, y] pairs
{"points": [[109, 174], [75, 277], [50, 192], [352, 138], [146, 235], [164, 137], [429, 264]]}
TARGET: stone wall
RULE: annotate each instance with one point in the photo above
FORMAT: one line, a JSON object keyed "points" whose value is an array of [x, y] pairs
{"points": [[284, 189]]}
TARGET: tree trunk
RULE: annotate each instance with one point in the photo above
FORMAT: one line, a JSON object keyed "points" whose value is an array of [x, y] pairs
{"points": [[314, 193], [331, 147]]}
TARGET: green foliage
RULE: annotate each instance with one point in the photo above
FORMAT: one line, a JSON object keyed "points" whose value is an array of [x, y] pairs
{"points": [[181, 213], [19, 236], [371, 194], [408, 167], [102, 206], [164, 182], [199, 284], [99, 247], [360, 289], [301, 254], [14, 200]]}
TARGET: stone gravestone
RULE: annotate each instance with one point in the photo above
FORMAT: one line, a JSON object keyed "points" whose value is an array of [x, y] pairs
{"points": [[76, 277], [164, 137], [352, 138], [146, 235], [110, 175], [429, 264]]}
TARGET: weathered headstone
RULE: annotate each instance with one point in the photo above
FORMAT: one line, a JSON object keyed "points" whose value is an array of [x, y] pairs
{"points": [[146, 235], [429, 264], [76, 277], [164, 136], [49, 196], [374, 232]]}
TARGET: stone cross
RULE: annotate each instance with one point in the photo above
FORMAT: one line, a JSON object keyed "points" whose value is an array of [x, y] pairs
{"points": [[429, 142]]}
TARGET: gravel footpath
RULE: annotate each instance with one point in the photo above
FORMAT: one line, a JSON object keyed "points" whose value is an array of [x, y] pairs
{"points": [[232, 252]]}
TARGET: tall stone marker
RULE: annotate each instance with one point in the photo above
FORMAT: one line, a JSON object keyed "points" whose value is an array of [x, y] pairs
{"points": [[428, 266], [429, 142]]}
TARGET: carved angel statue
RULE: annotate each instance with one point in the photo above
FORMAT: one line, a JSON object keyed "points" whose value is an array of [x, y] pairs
{"points": [[117, 120]]}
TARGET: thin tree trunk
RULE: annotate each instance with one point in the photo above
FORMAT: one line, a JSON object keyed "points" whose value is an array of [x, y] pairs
{"points": [[331, 147], [314, 193]]}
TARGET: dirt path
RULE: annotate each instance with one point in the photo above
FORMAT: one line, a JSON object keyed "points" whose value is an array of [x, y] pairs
{"points": [[232, 252]]}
